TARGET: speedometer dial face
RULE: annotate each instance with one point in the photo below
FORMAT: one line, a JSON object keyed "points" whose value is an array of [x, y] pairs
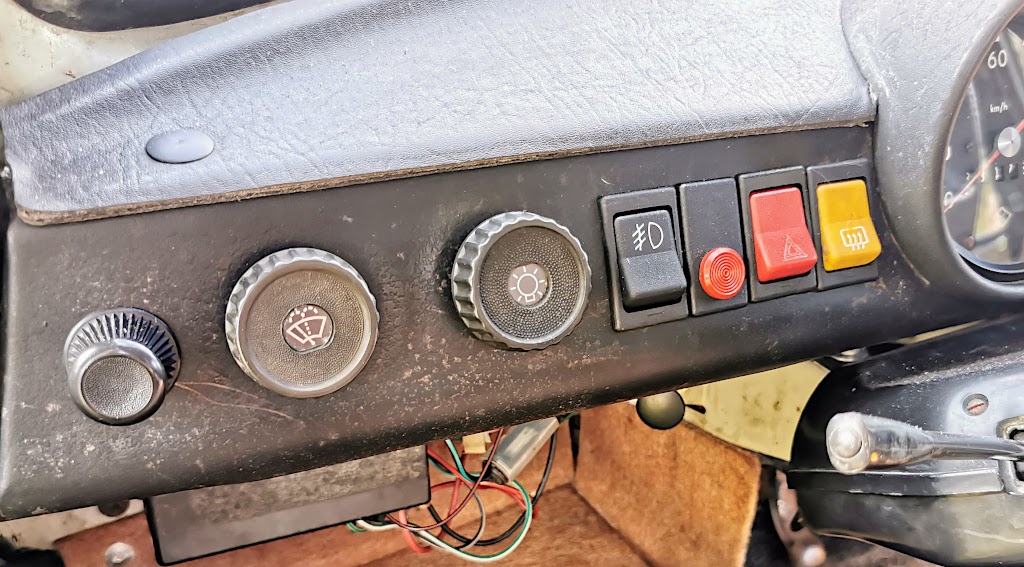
{"points": [[983, 184]]}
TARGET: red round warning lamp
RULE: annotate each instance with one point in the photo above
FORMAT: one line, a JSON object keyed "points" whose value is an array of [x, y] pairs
{"points": [[722, 273]]}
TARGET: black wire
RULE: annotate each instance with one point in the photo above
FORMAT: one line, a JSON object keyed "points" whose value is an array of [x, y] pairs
{"points": [[522, 517], [479, 530]]}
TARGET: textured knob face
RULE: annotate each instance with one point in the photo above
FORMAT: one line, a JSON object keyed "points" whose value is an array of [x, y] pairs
{"points": [[301, 322], [521, 281], [120, 364]]}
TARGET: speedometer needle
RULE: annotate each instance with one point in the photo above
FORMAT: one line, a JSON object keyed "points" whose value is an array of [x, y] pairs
{"points": [[980, 172]]}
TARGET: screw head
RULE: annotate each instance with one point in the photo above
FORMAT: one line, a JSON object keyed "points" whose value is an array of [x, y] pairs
{"points": [[975, 404], [119, 554], [813, 556], [846, 442]]}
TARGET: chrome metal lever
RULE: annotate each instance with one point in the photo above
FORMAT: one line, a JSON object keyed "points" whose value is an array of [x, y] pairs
{"points": [[857, 442]]}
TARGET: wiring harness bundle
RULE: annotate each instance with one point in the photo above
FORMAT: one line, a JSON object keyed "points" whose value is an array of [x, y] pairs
{"points": [[512, 450]]}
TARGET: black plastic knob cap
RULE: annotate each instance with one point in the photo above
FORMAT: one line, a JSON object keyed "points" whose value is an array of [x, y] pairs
{"points": [[661, 411], [120, 364]]}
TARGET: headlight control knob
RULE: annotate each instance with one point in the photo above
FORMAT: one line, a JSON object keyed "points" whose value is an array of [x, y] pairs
{"points": [[521, 281], [301, 322], [120, 364]]}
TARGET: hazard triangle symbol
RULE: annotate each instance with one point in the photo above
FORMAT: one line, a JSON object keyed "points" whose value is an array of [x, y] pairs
{"points": [[792, 250]]}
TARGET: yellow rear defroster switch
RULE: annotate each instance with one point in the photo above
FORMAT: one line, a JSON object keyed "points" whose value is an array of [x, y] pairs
{"points": [[848, 237]]}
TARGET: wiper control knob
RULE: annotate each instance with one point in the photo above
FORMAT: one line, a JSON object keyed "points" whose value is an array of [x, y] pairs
{"points": [[301, 322]]}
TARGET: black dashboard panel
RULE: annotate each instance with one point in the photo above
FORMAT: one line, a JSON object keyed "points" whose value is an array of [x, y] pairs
{"points": [[429, 377]]}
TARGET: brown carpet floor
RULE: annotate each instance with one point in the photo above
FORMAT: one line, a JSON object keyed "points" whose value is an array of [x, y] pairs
{"points": [[567, 532], [683, 497]]}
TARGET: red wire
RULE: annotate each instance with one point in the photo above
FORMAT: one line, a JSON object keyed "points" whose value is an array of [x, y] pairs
{"points": [[410, 540], [442, 462], [455, 496], [518, 496], [488, 485], [403, 519]]}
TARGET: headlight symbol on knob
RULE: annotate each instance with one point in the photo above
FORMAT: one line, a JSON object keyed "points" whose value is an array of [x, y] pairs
{"points": [[521, 281]]}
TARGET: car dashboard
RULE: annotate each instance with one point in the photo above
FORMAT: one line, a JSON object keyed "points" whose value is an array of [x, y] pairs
{"points": [[323, 231]]}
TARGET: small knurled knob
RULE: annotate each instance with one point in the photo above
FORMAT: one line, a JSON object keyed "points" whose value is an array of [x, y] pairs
{"points": [[521, 281], [120, 364], [301, 322]]}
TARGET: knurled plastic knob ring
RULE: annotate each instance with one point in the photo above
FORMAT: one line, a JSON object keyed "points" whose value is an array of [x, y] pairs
{"points": [[722, 273], [301, 322]]}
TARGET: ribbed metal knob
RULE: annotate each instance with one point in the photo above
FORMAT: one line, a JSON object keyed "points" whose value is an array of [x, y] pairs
{"points": [[301, 322], [120, 364], [521, 281]]}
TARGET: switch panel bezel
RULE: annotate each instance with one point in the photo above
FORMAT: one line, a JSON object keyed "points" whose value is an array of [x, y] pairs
{"points": [[706, 227], [612, 206], [830, 173], [760, 181]]}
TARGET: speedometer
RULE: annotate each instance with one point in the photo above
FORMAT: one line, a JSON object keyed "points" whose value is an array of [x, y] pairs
{"points": [[983, 183]]}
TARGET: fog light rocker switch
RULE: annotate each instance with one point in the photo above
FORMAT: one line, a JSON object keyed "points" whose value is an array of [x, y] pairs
{"points": [[650, 271]]}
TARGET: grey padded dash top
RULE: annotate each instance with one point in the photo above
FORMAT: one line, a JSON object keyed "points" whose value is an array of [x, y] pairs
{"points": [[313, 94]]}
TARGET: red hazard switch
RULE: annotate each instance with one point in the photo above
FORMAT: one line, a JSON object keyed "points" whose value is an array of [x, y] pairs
{"points": [[782, 243]]}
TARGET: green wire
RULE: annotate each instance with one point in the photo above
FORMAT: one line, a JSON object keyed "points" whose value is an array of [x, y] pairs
{"points": [[472, 478], [458, 460], [355, 529]]}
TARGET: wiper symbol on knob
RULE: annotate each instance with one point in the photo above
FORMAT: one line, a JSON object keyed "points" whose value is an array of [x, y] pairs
{"points": [[308, 328]]}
